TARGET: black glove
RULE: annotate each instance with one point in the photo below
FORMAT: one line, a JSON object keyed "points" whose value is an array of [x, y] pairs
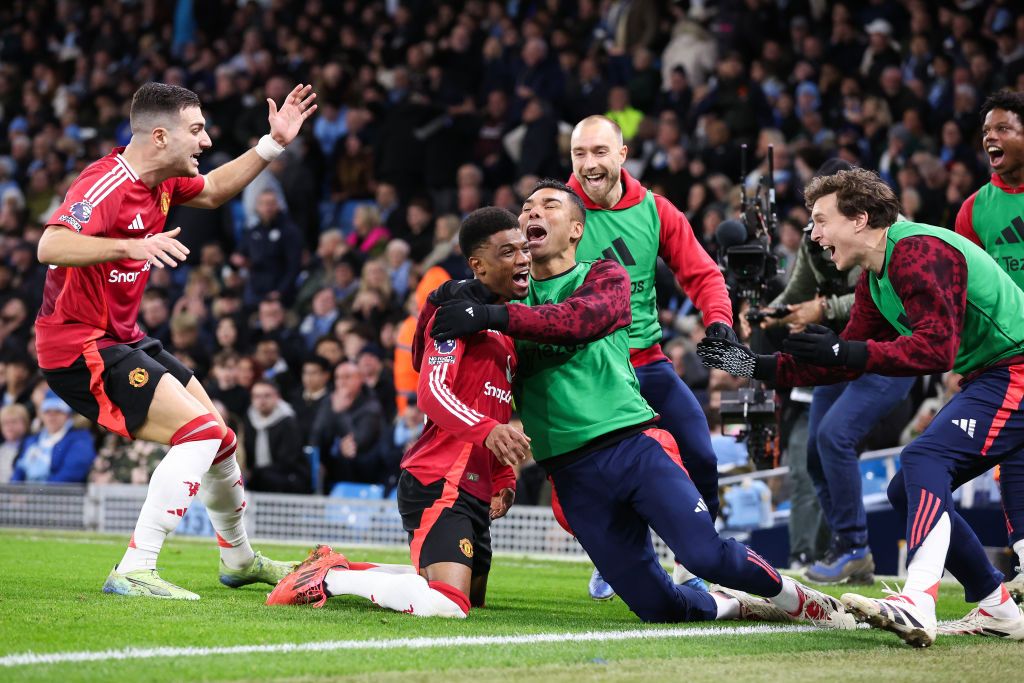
{"points": [[461, 318], [819, 345], [736, 359], [472, 289], [721, 331]]}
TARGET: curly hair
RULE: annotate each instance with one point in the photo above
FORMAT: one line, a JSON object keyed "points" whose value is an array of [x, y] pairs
{"points": [[857, 191], [1005, 99]]}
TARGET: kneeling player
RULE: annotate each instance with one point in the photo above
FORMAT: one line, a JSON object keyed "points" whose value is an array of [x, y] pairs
{"points": [[457, 476]]}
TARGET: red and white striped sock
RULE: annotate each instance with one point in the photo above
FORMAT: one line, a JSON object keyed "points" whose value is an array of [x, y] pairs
{"points": [[174, 483], [408, 593], [924, 572], [999, 604], [223, 494]]}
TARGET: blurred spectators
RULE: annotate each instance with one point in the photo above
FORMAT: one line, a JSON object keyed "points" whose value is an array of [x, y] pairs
{"points": [[59, 452], [349, 428], [14, 424], [273, 441]]}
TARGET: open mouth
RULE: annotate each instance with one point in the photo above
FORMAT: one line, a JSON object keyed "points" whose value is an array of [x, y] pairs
{"points": [[995, 155], [535, 234], [594, 179], [521, 279]]}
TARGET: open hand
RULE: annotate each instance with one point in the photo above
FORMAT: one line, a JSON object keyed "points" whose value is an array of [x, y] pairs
{"points": [[286, 121]]}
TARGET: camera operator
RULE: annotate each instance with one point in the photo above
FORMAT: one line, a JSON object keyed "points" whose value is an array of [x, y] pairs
{"points": [[838, 419]]}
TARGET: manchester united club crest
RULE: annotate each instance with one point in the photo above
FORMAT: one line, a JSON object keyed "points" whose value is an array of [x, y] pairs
{"points": [[466, 547], [138, 377], [165, 203]]}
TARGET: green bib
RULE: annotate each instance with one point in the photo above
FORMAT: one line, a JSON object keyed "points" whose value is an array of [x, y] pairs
{"points": [[567, 396], [998, 220], [994, 318], [631, 237]]}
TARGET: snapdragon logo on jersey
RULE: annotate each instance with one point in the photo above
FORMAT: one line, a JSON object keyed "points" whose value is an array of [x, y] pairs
{"points": [[127, 277], [503, 395]]}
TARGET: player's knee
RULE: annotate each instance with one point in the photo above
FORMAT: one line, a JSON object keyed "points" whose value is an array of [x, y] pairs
{"points": [[897, 492], [832, 441], [201, 428], [228, 446]]}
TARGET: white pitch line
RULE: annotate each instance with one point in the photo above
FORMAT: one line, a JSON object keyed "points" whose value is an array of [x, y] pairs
{"points": [[31, 658]]}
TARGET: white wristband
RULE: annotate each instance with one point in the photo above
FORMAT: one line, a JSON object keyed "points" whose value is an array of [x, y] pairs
{"points": [[268, 149]]}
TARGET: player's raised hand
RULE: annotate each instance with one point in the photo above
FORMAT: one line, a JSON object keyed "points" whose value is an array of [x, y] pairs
{"points": [[509, 445], [286, 121], [502, 502], [158, 249]]}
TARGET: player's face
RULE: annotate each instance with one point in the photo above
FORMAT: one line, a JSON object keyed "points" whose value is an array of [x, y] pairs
{"points": [[836, 233], [502, 263], [549, 226], [597, 158], [189, 139], [1002, 138]]}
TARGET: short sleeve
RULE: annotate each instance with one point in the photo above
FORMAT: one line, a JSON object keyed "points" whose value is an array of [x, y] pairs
{"points": [[88, 207], [187, 189]]}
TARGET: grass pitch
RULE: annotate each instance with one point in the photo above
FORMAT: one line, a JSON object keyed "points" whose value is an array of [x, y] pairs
{"points": [[50, 602]]}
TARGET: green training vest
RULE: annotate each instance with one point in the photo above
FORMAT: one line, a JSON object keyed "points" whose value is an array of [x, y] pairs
{"points": [[994, 318], [998, 220], [631, 237], [567, 396]]}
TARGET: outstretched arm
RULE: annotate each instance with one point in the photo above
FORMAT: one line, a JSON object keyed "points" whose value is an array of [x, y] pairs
{"points": [[226, 181]]}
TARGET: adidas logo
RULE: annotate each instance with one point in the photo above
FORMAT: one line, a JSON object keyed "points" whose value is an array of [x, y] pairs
{"points": [[701, 506], [180, 512], [1012, 233], [835, 349], [470, 311], [966, 425], [136, 223]]}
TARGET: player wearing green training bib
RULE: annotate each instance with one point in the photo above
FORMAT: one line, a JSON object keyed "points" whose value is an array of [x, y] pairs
{"points": [[928, 301], [993, 218]]}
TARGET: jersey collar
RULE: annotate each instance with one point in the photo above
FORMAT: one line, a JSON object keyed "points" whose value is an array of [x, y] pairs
{"points": [[119, 157], [1001, 184]]}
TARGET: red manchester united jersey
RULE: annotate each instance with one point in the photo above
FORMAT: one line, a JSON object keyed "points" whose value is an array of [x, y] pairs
{"points": [[99, 304], [465, 389]]}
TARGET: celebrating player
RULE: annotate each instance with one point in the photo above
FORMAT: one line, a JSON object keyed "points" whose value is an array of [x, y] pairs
{"points": [[617, 476], [628, 223], [100, 245], [993, 218], [457, 477], [929, 301]]}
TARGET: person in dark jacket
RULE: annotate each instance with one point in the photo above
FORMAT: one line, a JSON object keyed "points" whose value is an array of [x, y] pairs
{"points": [[273, 443], [272, 251], [59, 452], [348, 430]]}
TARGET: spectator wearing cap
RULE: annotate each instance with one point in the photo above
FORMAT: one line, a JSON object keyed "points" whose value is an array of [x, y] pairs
{"points": [[308, 399], [273, 441], [14, 425], [880, 52], [59, 452]]}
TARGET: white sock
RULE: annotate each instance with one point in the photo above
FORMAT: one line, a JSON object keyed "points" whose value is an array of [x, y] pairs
{"points": [[788, 598], [382, 568], [404, 592], [175, 481], [223, 494], [728, 608], [1018, 548], [999, 604], [925, 571]]}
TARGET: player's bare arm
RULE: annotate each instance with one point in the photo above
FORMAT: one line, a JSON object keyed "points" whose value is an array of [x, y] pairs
{"points": [[62, 247], [228, 180]]}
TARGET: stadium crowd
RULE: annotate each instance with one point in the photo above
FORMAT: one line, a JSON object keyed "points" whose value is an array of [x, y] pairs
{"points": [[297, 304]]}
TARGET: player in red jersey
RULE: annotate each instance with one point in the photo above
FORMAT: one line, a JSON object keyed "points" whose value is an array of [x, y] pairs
{"points": [[100, 245], [457, 477]]}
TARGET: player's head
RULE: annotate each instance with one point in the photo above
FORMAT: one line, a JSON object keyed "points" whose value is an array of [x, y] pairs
{"points": [[552, 219], [497, 252], [597, 154], [1002, 133], [845, 208], [168, 121]]}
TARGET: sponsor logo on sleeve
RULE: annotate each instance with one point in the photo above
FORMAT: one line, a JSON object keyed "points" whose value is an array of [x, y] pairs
{"points": [[70, 220], [441, 360]]}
